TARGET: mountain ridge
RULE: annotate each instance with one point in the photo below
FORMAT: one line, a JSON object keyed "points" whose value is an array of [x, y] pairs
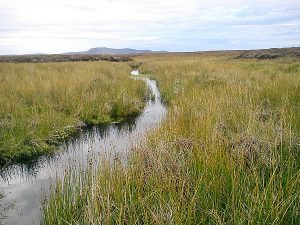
{"points": [[112, 51]]}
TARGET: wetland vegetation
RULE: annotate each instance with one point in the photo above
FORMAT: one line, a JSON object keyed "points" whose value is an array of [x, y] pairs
{"points": [[227, 152], [44, 103]]}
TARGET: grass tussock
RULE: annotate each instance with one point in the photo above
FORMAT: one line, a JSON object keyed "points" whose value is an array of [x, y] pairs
{"points": [[228, 152], [42, 104]]}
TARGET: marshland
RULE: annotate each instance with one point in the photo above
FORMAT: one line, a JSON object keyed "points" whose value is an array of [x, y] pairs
{"points": [[189, 139], [227, 152], [43, 103]]}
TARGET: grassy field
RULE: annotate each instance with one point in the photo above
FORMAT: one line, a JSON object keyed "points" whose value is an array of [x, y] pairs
{"points": [[42, 104], [228, 152]]}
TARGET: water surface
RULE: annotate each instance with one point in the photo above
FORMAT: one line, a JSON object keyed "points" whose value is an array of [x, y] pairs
{"points": [[135, 73], [24, 184]]}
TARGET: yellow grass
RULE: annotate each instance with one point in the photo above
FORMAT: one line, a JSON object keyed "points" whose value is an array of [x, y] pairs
{"points": [[41, 104], [228, 152]]}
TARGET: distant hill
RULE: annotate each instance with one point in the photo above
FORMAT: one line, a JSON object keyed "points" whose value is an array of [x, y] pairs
{"points": [[112, 51]]}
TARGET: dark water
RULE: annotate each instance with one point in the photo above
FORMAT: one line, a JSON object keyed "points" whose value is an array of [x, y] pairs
{"points": [[23, 185]]}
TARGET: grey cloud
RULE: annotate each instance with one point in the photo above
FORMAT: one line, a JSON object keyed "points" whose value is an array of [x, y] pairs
{"points": [[162, 26]]}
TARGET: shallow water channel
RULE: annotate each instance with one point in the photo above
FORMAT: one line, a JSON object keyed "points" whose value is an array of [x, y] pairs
{"points": [[24, 185]]}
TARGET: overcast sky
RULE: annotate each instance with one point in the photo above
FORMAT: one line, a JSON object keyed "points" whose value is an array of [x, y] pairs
{"points": [[56, 26]]}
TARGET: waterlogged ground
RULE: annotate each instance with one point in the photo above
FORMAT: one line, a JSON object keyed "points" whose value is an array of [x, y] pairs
{"points": [[227, 153], [25, 185], [41, 103]]}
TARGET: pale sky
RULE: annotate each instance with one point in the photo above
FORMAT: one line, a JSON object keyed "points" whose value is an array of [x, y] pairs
{"points": [[57, 26]]}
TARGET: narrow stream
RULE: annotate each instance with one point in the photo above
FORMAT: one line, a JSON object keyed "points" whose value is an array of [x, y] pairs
{"points": [[24, 184]]}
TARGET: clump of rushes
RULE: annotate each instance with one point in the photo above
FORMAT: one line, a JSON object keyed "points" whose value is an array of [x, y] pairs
{"points": [[228, 152], [42, 104]]}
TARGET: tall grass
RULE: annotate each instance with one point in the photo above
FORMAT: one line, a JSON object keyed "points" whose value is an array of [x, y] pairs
{"points": [[44, 103], [228, 152]]}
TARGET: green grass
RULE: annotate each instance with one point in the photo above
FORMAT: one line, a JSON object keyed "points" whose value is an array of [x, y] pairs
{"points": [[227, 153], [42, 104]]}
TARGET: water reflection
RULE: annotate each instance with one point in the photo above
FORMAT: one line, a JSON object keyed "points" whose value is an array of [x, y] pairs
{"points": [[135, 72], [22, 183], [30, 169]]}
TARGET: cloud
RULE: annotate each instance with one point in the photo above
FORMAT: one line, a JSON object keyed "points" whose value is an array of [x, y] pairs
{"points": [[177, 25]]}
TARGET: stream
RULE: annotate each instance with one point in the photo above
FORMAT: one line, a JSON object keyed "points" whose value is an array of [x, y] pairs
{"points": [[24, 185]]}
